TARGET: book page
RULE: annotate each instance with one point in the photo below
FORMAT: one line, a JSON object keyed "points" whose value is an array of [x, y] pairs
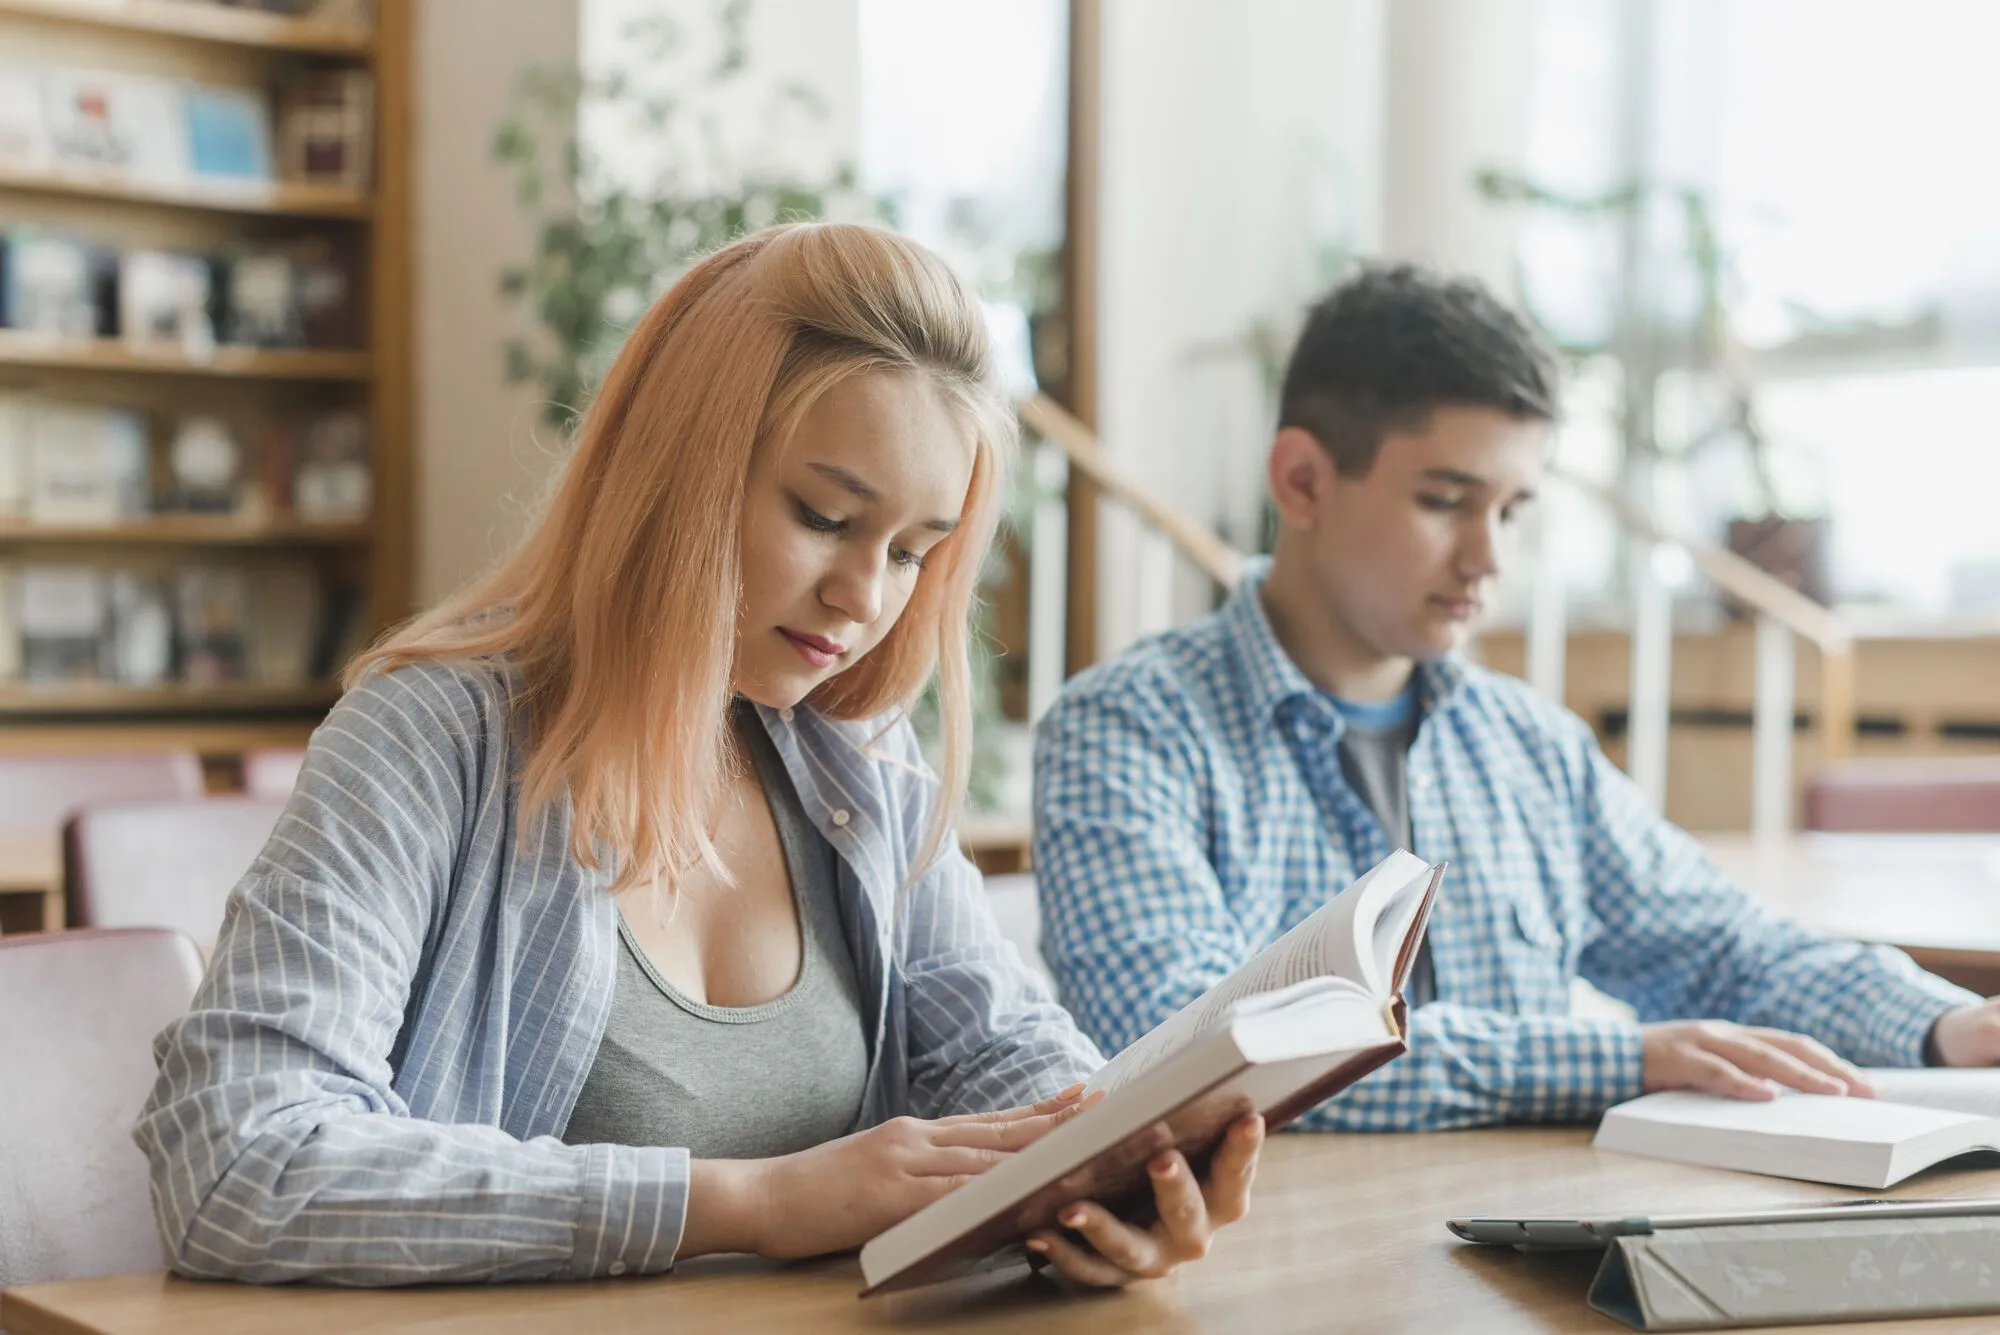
{"points": [[1968, 1091], [1325, 943], [1684, 1113]]}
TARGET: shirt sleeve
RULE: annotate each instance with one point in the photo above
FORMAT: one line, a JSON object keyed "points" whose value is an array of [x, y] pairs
{"points": [[279, 1147], [984, 1031], [1134, 921], [1679, 941]]}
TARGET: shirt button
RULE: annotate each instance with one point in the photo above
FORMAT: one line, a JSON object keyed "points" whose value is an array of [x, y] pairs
{"points": [[840, 816], [1303, 730], [786, 713], [615, 1268]]}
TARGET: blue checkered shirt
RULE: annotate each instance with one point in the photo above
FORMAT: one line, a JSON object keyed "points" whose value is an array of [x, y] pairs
{"points": [[1191, 807]]}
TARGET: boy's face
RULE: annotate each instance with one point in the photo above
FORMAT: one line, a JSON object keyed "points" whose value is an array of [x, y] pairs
{"points": [[1406, 557]]}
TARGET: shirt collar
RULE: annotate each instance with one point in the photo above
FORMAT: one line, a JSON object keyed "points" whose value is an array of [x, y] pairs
{"points": [[1273, 680]]}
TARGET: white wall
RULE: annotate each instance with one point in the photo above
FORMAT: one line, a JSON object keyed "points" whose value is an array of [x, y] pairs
{"points": [[1237, 141], [479, 464]]}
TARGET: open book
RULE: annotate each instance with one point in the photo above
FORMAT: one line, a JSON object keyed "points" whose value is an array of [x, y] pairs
{"points": [[1311, 1014], [1919, 1118]]}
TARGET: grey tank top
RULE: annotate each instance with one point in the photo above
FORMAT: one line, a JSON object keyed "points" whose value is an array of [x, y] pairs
{"points": [[743, 1082]]}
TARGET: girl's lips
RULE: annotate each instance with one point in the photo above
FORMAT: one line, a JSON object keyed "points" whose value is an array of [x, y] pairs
{"points": [[817, 650]]}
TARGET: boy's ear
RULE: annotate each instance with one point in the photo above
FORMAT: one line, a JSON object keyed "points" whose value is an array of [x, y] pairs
{"points": [[1301, 473]]}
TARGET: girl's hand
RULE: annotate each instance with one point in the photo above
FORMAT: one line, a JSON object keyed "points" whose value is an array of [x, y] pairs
{"points": [[836, 1196], [1189, 1214]]}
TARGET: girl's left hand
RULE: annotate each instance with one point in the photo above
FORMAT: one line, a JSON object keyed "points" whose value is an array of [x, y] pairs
{"points": [[1189, 1213]]}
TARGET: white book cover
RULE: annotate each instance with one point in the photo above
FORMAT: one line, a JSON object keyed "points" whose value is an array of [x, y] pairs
{"points": [[87, 465], [105, 122]]}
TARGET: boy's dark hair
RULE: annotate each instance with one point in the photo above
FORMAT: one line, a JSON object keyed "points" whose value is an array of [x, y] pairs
{"points": [[1387, 346]]}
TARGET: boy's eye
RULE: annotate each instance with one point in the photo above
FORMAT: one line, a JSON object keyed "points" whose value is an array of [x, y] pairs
{"points": [[1433, 501]]}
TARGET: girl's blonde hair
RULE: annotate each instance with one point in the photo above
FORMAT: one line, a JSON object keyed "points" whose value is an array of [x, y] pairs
{"points": [[618, 611]]}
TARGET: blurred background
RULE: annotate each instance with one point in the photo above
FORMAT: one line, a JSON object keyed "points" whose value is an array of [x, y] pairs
{"points": [[298, 301]]}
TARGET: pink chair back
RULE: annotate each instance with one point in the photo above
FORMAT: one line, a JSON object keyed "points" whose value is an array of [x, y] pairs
{"points": [[163, 864], [39, 792], [81, 1010], [273, 771], [1898, 794]]}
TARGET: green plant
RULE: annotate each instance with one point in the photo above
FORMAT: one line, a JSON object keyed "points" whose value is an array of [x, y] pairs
{"points": [[613, 231]]}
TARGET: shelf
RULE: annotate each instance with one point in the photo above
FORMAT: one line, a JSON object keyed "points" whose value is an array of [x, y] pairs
{"points": [[110, 354], [185, 531], [200, 21], [273, 198], [22, 701]]}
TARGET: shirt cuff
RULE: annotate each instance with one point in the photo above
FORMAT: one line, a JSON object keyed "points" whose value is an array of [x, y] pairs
{"points": [[1904, 1015], [634, 1208], [1570, 1069]]}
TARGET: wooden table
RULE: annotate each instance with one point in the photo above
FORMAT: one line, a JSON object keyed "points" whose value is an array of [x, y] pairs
{"points": [[31, 864], [1346, 1234], [1935, 895]]}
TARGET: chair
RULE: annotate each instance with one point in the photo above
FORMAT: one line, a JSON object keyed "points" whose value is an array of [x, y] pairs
{"points": [[81, 1010], [163, 864], [1012, 897], [38, 792], [272, 771], [1898, 794]]}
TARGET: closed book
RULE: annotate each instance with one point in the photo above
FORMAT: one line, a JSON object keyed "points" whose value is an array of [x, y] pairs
{"points": [[228, 132], [117, 124], [1315, 1011]]}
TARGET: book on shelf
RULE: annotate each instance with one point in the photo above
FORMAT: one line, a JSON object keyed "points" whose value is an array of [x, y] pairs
{"points": [[10, 627], [331, 479], [164, 297], [228, 132], [285, 615], [60, 614], [85, 464], [56, 284], [141, 629], [212, 623], [106, 122], [326, 128], [16, 416], [1315, 1011], [24, 131], [1918, 1119]]}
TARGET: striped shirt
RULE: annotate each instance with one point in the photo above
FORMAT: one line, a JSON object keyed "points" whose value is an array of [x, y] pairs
{"points": [[412, 979], [1191, 807]]}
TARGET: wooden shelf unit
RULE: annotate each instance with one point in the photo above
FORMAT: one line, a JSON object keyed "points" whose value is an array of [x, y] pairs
{"points": [[41, 352], [184, 531], [238, 697], [280, 199], [197, 20], [221, 44]]}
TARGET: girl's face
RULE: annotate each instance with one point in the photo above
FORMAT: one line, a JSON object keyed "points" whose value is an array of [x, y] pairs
{"points": [[837, 525]]}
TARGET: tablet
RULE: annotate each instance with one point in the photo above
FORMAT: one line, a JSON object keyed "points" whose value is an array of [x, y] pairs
{"points": [[1536, 1232]]}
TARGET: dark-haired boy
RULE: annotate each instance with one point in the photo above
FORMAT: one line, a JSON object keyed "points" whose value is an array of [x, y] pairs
{"points": [[1204, 792]]}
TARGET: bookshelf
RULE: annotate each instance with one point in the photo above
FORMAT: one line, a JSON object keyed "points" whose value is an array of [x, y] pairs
{"points": [[219, 46]]}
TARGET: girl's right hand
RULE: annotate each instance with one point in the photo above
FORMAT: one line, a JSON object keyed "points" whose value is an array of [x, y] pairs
{"points": [[836, 1196]]}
